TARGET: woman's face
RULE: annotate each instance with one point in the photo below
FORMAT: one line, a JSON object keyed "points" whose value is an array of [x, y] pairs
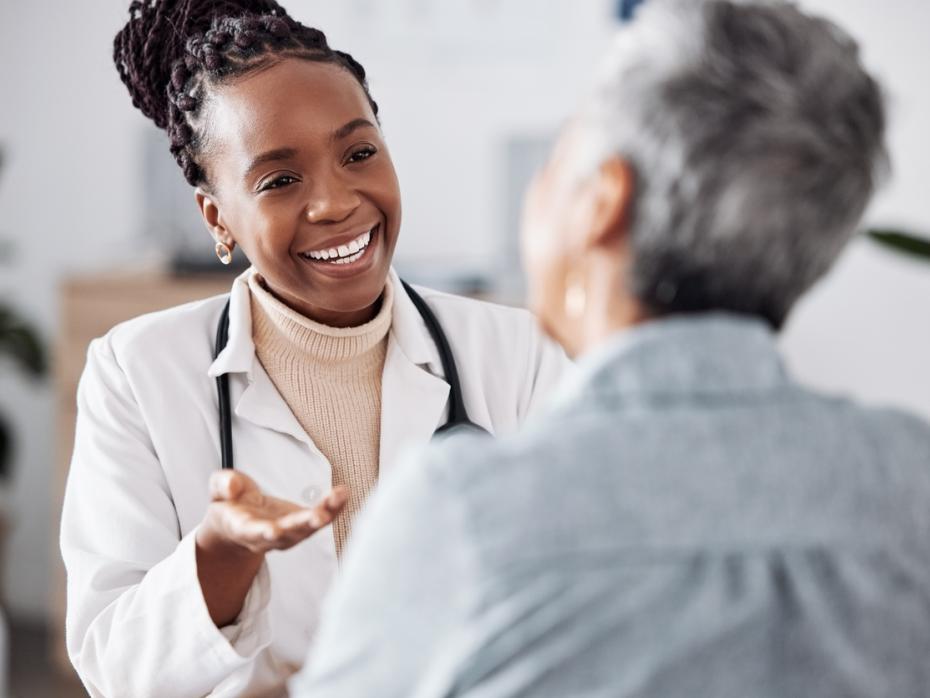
{"points": [[549, 227], [575, 246], [303, 183]]}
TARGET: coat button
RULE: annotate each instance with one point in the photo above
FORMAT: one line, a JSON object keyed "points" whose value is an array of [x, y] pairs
{"points": [[311, 494]]}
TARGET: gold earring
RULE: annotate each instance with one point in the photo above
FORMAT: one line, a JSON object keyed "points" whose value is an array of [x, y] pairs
{"points": [[576, 298], [223, 253]]}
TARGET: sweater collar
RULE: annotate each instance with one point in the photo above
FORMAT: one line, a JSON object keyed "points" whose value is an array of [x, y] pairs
{"points": [[278, 328], [407, 330]]}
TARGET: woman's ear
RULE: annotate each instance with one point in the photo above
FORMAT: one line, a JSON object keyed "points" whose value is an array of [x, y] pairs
{"points": [[611, 197], [210, 212]]}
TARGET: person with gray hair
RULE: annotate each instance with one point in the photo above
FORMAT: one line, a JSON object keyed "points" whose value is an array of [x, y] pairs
{"points": [[686, 520]]}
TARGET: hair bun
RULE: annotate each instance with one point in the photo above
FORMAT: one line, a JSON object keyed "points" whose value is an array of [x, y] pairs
{"points": [[146, 49]]}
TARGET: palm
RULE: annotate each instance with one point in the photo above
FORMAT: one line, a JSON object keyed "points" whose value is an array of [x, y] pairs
{"points": [[252, 504], [259, 522]]}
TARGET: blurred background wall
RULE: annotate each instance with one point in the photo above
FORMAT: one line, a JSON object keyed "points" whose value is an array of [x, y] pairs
{"points": [[470, 92]]}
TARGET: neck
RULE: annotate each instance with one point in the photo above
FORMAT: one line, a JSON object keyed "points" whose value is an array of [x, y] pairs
{"points": [[325, 316], [281, 330], [610, 307], [602, 323]]}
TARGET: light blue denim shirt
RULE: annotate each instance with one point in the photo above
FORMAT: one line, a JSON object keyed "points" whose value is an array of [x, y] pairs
{"points": [[687, 521]]}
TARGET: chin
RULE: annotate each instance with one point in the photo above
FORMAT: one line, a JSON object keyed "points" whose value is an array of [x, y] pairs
{"points": [[359, 296], [554, 332], [553, 327], [545, 323]]}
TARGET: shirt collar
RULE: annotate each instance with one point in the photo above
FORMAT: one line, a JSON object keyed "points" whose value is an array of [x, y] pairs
{"points": [[409, 330], [712, 353], [239, 353]]}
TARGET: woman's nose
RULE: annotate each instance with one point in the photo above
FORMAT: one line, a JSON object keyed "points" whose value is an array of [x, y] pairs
{"points": [[331, 201]]}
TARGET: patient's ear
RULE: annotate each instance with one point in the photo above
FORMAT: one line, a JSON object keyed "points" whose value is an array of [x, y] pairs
{"points": [[610, 201]]}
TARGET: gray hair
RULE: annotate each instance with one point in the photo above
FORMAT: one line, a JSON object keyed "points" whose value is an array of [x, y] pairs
{"points": [[756, 139]]}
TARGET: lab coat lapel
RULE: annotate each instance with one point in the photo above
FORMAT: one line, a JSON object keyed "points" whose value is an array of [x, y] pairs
{"points": [[414, 393], [262, 404], [252, 394]]}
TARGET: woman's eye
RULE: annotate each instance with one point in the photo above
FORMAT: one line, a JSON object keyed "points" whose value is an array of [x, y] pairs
{"points": [[362, 154], [278, 182]]}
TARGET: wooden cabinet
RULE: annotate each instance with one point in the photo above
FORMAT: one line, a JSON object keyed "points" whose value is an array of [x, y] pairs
{"points": [[89, 306]]}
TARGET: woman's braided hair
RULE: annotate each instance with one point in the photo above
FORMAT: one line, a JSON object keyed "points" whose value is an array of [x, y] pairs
{"points": [[172, 51]]}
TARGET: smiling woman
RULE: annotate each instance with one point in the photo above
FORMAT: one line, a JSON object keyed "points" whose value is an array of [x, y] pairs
{"points": [[295, 172], [329, 366]]}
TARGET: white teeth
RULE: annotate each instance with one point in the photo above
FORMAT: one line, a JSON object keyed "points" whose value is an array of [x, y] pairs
{"points": [[344, 254], [350, 259]]}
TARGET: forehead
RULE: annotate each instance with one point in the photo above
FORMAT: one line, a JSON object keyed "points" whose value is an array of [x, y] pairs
{"points": [[294, 101]]}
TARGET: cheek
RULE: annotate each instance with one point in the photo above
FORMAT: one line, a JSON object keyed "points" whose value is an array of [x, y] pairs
{"points": [[532, 234], [382, 182], [392, 202], [540, 242], [540, 227], [265, 232]]}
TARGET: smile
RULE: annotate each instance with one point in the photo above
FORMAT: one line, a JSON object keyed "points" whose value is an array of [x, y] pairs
{"points": [[343, 254]]}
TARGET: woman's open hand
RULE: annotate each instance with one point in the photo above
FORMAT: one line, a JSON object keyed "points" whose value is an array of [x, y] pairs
{"points": [[242, 516], [240, 526]]}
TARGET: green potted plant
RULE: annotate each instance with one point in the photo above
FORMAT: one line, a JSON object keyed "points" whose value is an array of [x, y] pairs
{"points": [[915, 246], [20, 343]]}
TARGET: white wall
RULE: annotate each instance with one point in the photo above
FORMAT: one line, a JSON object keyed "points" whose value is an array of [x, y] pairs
{"points": [[453, 82], [68, 198], [865, 330]]}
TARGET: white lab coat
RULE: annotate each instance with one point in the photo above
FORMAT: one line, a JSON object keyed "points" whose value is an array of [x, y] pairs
{"points": [[147, 441]]}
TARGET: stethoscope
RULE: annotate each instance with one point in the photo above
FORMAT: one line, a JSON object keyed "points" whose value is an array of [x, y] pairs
{"points": [[458, 415]]}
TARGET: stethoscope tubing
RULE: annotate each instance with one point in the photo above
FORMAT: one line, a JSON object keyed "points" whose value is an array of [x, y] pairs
{"points": [[458, 414]]}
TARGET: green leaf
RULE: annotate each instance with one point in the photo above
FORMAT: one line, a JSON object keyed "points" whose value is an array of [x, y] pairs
{"points": [[913, 245], [21, 343], [5, 449]]}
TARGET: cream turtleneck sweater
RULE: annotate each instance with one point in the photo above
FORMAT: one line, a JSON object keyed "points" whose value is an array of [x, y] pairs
{"points": [[331, 379]]}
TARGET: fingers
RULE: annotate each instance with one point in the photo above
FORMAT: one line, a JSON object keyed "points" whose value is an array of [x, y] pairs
{"points": [[287, 531], [309, 521], [229, 485], [299, 519], [336, 500], [258, 534], [262, 526], [253, 531], [296, 526]]}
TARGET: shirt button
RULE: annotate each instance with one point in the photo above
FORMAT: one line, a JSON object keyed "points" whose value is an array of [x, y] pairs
{"points": [[311, 494]]}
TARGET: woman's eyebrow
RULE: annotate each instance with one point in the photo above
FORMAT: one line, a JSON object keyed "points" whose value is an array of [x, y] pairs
{"points": [[270, 156], [348, 128], [287, 153]]}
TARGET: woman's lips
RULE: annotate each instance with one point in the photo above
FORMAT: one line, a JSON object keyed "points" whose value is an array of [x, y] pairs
{"points": [[347, 250], [352, 263]]}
